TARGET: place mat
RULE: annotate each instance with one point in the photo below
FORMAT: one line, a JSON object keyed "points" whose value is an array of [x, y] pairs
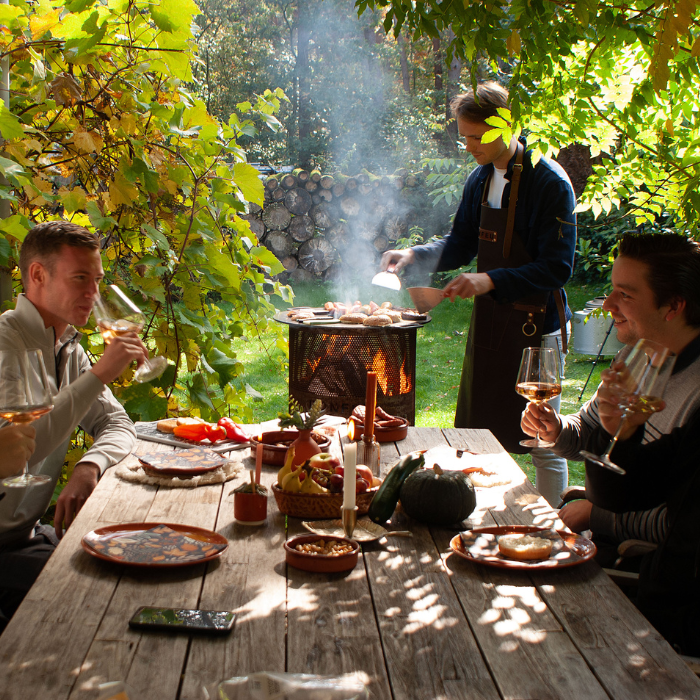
{"points": [[149, 431], [480, 545], [154, 544], [134, 472], [182, 463]]}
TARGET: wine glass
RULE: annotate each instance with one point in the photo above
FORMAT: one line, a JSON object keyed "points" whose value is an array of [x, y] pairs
{"points": [[641, 385], [539, 379], [25, 395], [117, 315]]}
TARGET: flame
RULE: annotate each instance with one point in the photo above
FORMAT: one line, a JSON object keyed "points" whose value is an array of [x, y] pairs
{"points": [[351, 430], [379, 365], [260, 437], [380, 362]]}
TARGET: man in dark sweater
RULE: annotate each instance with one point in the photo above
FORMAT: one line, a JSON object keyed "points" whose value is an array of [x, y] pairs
{"points": [[656, 295], [664, 471]]}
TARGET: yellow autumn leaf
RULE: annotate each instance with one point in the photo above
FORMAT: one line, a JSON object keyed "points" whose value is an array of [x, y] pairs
{"points": [[39, 25], [87, 141], [121, 191]]}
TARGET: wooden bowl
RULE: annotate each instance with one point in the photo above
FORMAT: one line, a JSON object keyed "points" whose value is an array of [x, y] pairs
{"points": [[318, 506], [320, 563], [384, 434], [274, 453]]}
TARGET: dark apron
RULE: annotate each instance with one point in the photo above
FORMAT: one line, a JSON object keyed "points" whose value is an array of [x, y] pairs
{"points": [[498, 333]]}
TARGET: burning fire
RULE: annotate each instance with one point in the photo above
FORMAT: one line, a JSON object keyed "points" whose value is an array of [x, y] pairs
{"points": [[380, 363], [351, 430]]}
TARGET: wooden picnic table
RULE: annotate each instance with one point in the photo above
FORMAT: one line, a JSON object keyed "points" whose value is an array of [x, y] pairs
{"points": [[419, 621]]}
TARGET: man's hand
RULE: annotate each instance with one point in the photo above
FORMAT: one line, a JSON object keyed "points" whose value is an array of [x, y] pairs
{"points": [[16, 446], [395, 260], [609, 411], [118, 355], [541, 418], [468, 284], [577, 515], [80, 485]]}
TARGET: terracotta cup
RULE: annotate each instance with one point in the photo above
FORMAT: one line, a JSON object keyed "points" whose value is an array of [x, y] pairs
{"points": [[250, 508]]}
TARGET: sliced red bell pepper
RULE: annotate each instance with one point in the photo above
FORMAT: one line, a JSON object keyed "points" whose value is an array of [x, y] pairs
{"points": [[233, 430]]}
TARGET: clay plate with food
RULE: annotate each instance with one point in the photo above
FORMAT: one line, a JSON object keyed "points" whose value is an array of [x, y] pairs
{"points": [[154, 545], [321, 554], [480, 545]]}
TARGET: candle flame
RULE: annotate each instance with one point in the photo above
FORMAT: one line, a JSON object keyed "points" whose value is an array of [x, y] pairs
{"points": [[351, 429], [260, 437]]}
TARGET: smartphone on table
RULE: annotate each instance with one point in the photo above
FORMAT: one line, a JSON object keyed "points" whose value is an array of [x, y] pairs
{"points": [[181, 620]]}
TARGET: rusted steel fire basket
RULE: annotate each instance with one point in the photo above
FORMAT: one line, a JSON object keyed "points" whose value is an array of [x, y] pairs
{"points": [[330, 362]]}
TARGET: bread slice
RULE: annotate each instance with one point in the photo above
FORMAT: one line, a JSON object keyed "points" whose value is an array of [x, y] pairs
{"points": [[524, 547], [167, 425]]}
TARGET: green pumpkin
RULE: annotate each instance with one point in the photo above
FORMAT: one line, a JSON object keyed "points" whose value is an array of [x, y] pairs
{"points": [[435, 497]]}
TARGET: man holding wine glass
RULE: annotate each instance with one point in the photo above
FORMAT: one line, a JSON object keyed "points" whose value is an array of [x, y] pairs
{"points": [[16, 447], [655, 295], [61, 272]]}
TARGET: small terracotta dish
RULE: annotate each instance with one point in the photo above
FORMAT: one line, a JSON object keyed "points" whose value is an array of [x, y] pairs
{"points": [[320, 563], [277, 442], [383, 434]]}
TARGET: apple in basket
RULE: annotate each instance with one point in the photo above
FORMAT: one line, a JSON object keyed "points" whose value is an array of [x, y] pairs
{"points": [[324, 460]]}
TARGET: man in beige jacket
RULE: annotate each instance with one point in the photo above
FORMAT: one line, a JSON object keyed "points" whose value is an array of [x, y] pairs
{"points": [[61, 272]]}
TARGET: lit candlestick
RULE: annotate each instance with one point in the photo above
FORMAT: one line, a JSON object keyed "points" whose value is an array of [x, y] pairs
{"points": [[370, 404], [349, 476], [258, 458]]}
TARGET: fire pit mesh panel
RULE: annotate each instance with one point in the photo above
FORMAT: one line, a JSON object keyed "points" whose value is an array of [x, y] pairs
{"points": [[332, 364]]}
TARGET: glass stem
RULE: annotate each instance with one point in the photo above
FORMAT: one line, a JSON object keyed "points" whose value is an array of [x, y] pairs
{"points": [[616, 437]]}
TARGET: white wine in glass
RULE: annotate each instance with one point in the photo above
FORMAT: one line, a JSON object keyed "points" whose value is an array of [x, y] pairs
{"points": [[640, 386], [25, 395], [539, 380], [117, 315]]}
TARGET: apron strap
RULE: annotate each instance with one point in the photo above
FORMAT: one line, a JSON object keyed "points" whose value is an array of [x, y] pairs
{"points": [[513, 198], [559, 300]]}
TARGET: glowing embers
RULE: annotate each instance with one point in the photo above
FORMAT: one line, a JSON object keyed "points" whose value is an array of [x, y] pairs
{"points": [[332, 365]]}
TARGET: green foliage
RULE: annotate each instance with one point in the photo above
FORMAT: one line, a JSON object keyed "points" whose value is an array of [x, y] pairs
{"points": [[622, 79], [344, 85], [295, 419], [102, 130]]}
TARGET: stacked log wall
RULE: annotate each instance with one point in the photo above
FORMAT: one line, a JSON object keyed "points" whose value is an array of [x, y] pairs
{"points": [[318, 224]]}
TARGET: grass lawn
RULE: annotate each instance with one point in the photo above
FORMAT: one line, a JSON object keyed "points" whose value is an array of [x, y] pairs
{"points": [[439, 357]]}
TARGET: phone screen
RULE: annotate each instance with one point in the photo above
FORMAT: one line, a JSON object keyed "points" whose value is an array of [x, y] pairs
{"points": [[174, 620]]}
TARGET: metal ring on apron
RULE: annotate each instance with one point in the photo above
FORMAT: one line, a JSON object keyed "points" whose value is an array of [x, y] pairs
{"points": [[531, 324]]}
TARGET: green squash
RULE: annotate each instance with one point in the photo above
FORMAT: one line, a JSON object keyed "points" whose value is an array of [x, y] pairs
{"points": [[435, 497]]}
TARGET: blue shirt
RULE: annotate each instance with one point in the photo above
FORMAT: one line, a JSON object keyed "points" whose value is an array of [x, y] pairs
{"points": [[544, 220]]}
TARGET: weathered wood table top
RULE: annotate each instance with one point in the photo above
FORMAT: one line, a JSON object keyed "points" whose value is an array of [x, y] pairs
{"points": [[418, 621]]}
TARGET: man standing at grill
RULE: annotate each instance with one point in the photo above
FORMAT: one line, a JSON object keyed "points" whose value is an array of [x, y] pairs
{"points": [[518, 219]]}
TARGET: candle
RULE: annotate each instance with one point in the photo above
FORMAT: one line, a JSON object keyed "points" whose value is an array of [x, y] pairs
{"points": [[370, 404], [258, 459], [349, 476]]}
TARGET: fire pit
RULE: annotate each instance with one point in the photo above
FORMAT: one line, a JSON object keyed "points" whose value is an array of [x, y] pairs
{"points": [[330, 362]]}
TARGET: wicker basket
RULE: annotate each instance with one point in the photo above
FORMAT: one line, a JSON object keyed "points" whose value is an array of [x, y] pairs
{"points": [[318, 506]]}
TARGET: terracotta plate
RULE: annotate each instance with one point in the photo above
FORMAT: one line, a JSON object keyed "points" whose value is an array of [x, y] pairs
{"points": [[480, 545], [182, 463], [154, 544]]}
